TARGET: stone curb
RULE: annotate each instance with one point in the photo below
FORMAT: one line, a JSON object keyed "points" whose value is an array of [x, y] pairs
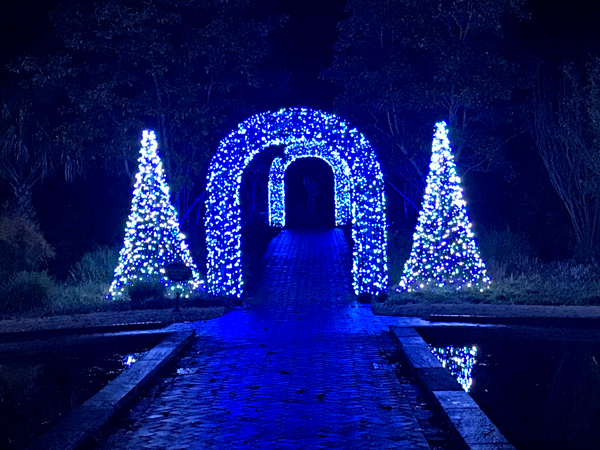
{"points": [[17, 336], [536, 321], [463, 415], [87, 420]]}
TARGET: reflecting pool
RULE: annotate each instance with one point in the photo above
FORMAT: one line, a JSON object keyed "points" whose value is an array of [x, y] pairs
{"points": [[539, 386], [46, 380]]}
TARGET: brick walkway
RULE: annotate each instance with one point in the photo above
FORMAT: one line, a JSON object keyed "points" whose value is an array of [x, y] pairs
{"points": [[303, 367]]}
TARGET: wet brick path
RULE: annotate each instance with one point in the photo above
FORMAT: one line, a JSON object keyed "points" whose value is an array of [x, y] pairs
{"points": [[304, 366]]}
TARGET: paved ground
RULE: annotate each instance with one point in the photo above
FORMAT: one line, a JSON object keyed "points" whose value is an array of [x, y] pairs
{"points": [[304, 366]]}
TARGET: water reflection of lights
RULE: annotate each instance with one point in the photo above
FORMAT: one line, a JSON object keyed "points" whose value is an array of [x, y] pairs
{"points": [[130, 359], [459, 360]]}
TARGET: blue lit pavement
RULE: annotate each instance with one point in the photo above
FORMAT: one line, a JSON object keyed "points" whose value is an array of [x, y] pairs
{"points": [[304, 366]]}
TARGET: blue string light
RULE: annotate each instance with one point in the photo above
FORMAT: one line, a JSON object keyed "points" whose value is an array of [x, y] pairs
{"points": [[294, 128], [444, 254], [152, 235], [341, 176]]}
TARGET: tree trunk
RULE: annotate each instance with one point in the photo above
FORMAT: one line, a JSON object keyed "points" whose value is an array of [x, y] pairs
{"points": [[22, 203]]}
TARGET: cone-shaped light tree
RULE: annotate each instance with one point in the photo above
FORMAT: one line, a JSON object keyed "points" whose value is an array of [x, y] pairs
{"points": [[444, 254], [153, 238]]}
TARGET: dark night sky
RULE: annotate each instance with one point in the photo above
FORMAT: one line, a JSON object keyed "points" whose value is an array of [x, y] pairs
{"points": [[24, 28]]}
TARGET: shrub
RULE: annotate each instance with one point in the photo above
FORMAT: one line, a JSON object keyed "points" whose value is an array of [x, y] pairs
{"points": [[256, 236], [556, 283], [506, 253], [26, 291], [148, 295], [22, 245], [71, 298], [97, 266], [205, 300], [398, 250]]}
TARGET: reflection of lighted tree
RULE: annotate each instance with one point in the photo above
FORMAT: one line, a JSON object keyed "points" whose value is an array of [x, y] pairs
{"points": [[459, 360]]}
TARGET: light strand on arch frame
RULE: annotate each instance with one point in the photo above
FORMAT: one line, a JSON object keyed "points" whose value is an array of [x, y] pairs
{"points": [[303, 127]]}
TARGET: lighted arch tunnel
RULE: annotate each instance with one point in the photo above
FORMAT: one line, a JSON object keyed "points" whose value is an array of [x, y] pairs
{"points": [[296, 128], [341, 178]]}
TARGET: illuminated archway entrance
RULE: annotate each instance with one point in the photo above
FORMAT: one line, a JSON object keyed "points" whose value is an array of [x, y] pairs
{"points": [[312, 131]]}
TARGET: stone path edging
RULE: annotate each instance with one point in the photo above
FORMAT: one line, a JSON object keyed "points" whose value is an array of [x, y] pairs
{"points": [[462, 413], [540, 321], [19, 336], [83, 423]]}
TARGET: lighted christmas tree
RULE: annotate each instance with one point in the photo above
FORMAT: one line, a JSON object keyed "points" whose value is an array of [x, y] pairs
{"points": [[153, 238], [444, 253]]}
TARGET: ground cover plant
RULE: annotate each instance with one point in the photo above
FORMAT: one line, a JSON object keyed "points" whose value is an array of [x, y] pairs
{"points": [[37, 294], [518, 278]]}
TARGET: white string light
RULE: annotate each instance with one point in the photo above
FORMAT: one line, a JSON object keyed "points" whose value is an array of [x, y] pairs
{"points": [[444, 254], [152, 235]]}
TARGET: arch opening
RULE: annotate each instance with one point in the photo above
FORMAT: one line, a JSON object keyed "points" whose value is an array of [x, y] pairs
{"points": [[309, 194]]}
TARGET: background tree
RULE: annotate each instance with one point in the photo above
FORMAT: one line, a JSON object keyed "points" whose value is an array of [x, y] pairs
{"points": [[25, 150], [565, 123], [185, 68], [404, 64], [22, 245]]}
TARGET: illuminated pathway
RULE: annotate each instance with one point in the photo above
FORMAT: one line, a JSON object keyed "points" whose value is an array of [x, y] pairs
{"points": [[303, 367]]}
